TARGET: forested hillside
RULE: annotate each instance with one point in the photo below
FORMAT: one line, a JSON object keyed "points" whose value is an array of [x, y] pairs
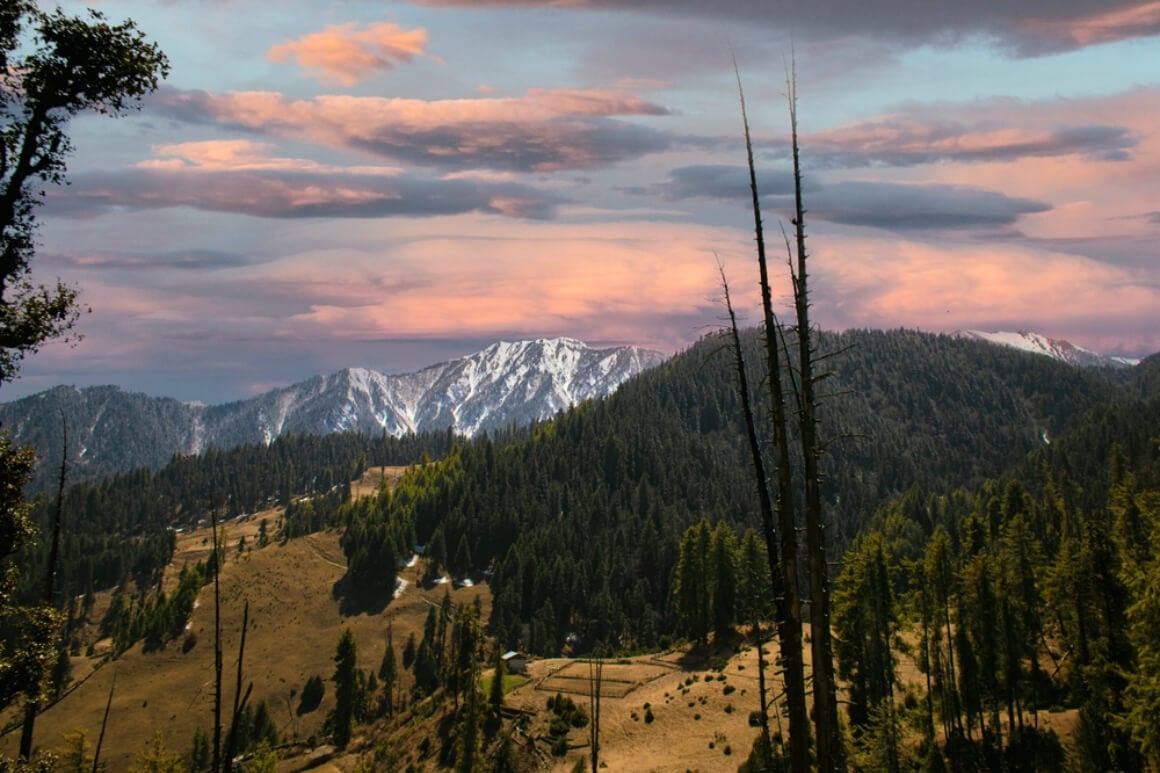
{"points": [[581, 522], [121, 528], [1032, 591]]}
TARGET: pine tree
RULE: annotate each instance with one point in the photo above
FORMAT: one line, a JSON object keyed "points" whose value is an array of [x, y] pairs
{"points": [[866, 619], [723, 577], [345, 675], [389, 676], [692, 587]]}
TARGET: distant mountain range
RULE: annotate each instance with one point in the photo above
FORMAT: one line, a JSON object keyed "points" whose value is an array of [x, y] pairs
{"points": [[111, 430], [1035, 343]]}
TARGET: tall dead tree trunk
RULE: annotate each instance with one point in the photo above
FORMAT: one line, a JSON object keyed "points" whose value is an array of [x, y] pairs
{"points": [[831, 753], [789, 623], [239, 700], [217, 642], [767, 526], [595, 683]]}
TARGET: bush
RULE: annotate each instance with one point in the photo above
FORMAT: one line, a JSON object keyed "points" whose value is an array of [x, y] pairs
{"points": [[648, 716]]}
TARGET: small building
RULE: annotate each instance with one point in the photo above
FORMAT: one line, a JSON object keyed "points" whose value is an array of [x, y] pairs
{"points": [[515, 662]]}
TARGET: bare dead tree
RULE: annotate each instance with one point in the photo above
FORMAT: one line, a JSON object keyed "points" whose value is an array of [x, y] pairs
{"points": [[217, 641], [595, 680], [239, 700], [831, 752], [767, 526], [784, 560]]}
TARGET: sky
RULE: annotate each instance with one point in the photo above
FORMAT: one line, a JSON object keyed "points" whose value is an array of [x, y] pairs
{"points": [[320, 185]]}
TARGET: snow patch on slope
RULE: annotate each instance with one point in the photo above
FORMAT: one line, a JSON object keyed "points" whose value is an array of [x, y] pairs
{"points": [[1036, 343]]}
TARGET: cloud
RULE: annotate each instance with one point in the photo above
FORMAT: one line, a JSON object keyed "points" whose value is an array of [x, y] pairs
{"points": [[720, 181], [1028, 28], [544, 130], [913, 207], [193, 259], [903, 140], [347, 53], [237, 177], [891, 206], [883, 283]]}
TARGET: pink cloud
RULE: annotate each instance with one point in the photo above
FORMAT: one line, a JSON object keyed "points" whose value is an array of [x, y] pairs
{"points": [[651, 283], [593, 279], [945, 287], [348, 53]]}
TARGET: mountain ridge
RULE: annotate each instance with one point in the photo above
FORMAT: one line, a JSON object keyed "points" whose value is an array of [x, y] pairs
{"points": [[507, 383]]}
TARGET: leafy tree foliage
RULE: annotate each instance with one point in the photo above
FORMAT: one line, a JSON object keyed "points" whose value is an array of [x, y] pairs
{"points": [[52, 67], [28, 630]]}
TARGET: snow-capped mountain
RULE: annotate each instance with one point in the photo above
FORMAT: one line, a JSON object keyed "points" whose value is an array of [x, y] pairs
{"points": [[1035, 343], [507, 383]]}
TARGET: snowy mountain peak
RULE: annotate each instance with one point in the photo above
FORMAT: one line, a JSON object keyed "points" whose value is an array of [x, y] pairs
{"points": [[1036, 343]]}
